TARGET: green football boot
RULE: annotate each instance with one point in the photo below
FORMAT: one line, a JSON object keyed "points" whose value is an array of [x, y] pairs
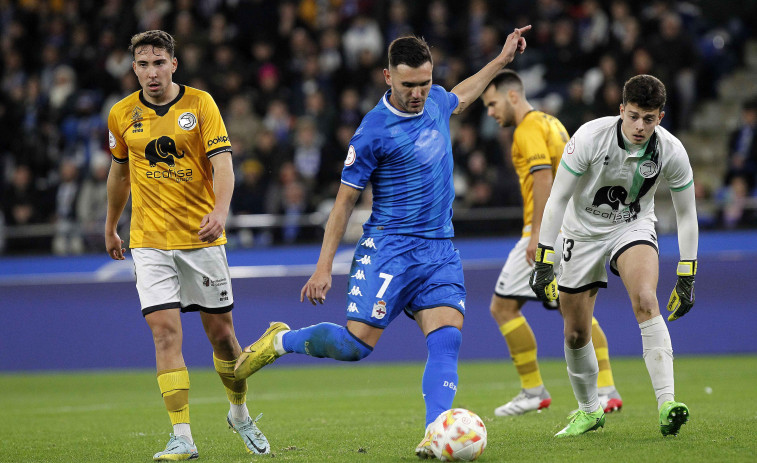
{"points": [[673, 415], [582, 422]]}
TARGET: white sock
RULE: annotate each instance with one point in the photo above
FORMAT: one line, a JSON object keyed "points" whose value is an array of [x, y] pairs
{"points": [[278, 344], [182, 429], [583, 370], [239, 413], [658, 355]]}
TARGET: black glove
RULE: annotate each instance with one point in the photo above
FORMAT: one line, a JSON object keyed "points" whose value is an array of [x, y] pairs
{"points": [[682, 297], [542, 280]]}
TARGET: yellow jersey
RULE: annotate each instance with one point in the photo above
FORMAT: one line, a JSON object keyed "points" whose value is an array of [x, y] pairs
{"points": [[538, 143], [168, 149]]}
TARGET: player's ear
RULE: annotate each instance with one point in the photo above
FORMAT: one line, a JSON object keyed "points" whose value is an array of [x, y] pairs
{"points": [[622, 110], [174, 64], [662, 114], [388, 77]]}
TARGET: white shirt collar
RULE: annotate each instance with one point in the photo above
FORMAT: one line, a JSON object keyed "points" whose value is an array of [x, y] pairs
{"points": [[396, 111]]}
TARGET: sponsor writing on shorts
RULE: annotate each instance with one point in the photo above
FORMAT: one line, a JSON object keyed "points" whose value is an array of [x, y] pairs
{"points": [[206, 281]]}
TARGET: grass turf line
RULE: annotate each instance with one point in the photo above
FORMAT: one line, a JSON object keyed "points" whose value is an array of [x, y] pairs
{"points": [[373, 413]]}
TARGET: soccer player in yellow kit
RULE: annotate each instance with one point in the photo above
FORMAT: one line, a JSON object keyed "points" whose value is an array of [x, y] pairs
{"points": [[171, 151], [538, 143]]}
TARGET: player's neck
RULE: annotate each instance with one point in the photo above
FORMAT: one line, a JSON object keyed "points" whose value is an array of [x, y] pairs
{"points": [[521, 110], [168, 96]]}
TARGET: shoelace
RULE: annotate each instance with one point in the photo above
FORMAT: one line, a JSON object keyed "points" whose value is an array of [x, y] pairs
{"points": [[253, 426]]}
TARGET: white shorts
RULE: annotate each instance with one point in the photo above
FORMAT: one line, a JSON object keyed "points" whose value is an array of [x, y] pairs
{"points": [[189, 279], [513, 279], [583, 265]]}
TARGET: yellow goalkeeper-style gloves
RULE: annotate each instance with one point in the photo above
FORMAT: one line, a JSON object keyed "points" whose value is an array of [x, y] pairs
{"points": [[682, 297], [542, 280]]}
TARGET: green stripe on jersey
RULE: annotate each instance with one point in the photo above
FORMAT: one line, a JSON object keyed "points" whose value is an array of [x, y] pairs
{"points": [[577, 174], [681, 188]]}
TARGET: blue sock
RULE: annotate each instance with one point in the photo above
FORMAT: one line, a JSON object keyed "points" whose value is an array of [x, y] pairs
{"points": [[326, 340], [440, 375]]}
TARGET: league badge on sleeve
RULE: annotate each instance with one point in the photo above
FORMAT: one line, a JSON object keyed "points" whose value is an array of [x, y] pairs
{"points": [[350, 156], [111, 140]]}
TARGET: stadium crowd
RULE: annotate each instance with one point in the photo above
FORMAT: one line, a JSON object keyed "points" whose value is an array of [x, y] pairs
{"points": [[293, 80]]}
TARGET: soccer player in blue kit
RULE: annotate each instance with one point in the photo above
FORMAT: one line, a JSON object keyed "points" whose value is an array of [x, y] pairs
{"points": [[405, 261]]}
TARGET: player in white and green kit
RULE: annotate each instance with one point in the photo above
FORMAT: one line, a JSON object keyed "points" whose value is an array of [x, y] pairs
{"points": [[603, 198]]}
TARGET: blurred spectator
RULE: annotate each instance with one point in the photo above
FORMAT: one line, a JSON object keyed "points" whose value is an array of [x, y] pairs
{"points": [[594, 78], [397, 24], [23, 204], [242, 123], [67, 239], [677, 60], [92, 202], [363, 35], [308, 145], [574, 111], [742, 165]]}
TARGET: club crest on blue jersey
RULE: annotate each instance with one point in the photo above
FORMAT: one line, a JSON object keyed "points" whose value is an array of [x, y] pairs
{"points": [[379, 310]]}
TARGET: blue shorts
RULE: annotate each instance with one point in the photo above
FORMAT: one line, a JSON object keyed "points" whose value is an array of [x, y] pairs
{"points": [[395, 273]]}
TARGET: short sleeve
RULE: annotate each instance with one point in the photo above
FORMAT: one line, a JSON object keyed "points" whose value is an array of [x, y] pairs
{"points": [[677, 171], [116, 143], [212, 129], [361, 160], [576, 156], [533, 147]]}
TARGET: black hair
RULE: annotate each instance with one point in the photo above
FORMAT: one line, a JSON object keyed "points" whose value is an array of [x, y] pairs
{"points": [[645, 91], [508, 79], [411, 51]]}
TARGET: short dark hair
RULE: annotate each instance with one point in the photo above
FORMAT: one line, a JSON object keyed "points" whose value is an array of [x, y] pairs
{"points": [[155, 38], [508, 79], [645, 91], [412, 51]]}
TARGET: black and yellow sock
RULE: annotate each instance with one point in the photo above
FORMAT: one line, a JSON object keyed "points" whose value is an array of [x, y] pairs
{"points": [[599, 340], [522, 344], [174, 386]]}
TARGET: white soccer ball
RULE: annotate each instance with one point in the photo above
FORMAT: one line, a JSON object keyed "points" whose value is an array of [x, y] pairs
{"points": [[458, 435]]}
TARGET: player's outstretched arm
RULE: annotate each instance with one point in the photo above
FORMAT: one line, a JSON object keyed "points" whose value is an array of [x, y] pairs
{"points": [[320, 282], [118, 187], [471, 88], [682, 297]]}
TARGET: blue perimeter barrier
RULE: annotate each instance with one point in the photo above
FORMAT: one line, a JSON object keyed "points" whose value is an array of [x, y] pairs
{"points": [[83, 312]]}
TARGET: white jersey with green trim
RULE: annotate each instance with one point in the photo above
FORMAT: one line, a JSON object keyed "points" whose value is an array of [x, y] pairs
{"points": [[617, 180]]}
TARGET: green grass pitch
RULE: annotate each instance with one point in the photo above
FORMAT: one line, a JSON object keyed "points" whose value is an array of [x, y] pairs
{"points": [[331, 412]]}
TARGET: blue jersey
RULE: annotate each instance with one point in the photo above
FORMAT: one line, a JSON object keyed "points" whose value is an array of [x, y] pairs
{"points": [[408, 160]]}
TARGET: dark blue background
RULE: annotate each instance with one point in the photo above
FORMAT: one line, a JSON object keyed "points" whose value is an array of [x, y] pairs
{"points": [[79, 313]]}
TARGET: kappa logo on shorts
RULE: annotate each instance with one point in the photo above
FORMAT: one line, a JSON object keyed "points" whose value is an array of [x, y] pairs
{"points": [[368, 243], [359, 275], [462, 304], [379, 310], [365, 260], [352, 307], [355, 291]]}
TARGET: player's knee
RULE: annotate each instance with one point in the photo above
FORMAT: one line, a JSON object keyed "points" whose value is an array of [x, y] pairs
{"points": [[504, 309], [647, 304], [351, 349], [577, 338], [166, 338]]}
